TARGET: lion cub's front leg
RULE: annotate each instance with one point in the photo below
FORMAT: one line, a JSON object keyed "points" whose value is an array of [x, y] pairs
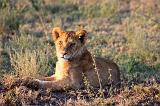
{"points": [[73, 80], [51, 78], [61, 84]]}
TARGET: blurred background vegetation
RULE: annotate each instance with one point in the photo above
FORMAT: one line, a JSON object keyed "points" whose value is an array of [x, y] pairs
{"points": [[127, 31]]}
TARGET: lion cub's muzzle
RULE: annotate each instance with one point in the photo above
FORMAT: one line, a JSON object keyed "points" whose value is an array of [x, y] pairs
{"points": [[65, 56]]}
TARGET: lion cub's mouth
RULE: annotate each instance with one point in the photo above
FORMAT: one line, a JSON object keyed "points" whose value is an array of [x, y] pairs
{"points": [[66, 57]]}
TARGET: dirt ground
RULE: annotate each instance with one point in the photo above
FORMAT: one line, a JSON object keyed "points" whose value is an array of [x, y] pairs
{"points": [[24, 92]]}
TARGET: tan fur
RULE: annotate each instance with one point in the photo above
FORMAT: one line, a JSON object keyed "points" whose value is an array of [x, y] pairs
{"points": [[75, 62]]}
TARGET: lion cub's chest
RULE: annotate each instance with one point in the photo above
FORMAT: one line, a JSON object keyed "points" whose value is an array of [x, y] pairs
{"points": [[63, 69]]}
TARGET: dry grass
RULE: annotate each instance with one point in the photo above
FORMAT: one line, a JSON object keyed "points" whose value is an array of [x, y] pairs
{"points": [[25, 63]]}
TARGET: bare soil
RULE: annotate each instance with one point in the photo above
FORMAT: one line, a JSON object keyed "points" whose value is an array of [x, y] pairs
{"points": [[26, 92]]}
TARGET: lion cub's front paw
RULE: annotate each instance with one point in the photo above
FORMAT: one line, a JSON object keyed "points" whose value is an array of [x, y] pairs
{"points": [[32, 84], [40, 82]]}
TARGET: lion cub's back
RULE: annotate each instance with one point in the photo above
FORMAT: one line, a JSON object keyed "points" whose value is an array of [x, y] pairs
{"points": [[108, 72]]}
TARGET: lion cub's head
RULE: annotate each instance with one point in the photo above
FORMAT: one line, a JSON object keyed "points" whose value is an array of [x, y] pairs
{"points": [[69, 44]]}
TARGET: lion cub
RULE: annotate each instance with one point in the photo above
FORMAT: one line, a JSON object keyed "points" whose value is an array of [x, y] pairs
{"points": [[75, 62]]}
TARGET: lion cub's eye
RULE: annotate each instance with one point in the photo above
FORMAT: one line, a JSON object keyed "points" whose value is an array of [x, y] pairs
{"points": [[72, 44]]}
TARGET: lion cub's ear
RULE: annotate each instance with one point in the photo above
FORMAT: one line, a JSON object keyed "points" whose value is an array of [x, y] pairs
{"points": [[81, 35], [56, 33]]}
